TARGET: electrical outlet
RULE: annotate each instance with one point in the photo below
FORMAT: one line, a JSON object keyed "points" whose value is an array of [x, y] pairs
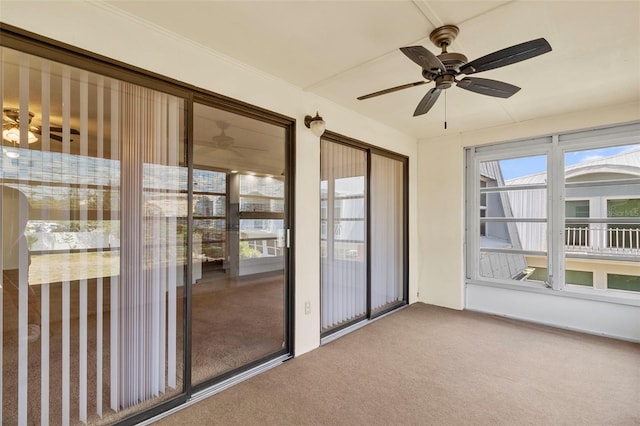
{"points": [[307, 308]]}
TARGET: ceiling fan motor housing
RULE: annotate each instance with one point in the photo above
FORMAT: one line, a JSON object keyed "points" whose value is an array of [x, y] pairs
{"points": [[444, 81], [452, 62]]}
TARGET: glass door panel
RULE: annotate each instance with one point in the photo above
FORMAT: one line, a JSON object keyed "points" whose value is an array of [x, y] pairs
{"points": [[387, 233], [238, 305], [363, 234]]}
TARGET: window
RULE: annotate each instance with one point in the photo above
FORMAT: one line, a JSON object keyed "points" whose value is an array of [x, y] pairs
{"points": [[209, 216], [261, 216], [623, 236], [512, 234], [556, 211], [483, 206], [623, 282], [576, 234]]}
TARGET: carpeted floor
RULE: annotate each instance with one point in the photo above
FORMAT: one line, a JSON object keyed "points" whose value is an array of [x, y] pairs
{"points": [[427, 365]]}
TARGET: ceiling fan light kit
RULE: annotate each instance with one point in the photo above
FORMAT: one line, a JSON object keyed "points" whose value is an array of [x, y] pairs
{"points": [[444, 68], [12, 134], [11, 128]]}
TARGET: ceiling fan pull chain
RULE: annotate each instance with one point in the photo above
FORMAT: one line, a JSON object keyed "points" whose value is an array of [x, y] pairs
{"points": [[445, 110]]}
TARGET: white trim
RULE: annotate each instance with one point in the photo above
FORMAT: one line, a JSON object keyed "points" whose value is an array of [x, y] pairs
{"points": [[558, 309], [555, 215]]}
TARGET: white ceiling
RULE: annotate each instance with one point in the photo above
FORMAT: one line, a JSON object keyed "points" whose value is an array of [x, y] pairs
{"points": [[343, 49]]}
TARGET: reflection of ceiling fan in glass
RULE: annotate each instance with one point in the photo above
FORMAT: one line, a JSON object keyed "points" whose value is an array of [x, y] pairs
{"points": [[11, 128], [225, 142], [222, 141]]}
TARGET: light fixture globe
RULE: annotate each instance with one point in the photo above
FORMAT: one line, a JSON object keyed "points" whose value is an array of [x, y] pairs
{"points": [[12, 134], [316, 124]]}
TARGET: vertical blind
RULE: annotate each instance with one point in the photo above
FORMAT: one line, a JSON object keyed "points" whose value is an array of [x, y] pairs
{"points": [[387, 253], [149, 150], [343, 261], [348, 235], [99, 255]]}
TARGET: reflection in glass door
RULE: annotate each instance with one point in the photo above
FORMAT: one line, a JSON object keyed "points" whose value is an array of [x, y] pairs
{"points": [[239, 223]]}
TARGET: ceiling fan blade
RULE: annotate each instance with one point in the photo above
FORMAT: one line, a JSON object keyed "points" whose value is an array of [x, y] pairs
{"points": [[508, 56], [250, 148], [57, 138], [392, 89], [427, 60], [484, 86], [38, 131], [60, 130], [427, 102]]}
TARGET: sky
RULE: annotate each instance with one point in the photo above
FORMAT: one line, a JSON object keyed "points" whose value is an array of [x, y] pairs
{"points": [[526, 166]]}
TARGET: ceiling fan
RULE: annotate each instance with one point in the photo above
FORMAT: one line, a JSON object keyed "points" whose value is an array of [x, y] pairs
{"points": [[444, 68], [222, 141], [11, 128]]}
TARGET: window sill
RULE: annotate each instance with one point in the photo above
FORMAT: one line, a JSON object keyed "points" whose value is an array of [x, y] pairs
{"points": [[607, 296]]}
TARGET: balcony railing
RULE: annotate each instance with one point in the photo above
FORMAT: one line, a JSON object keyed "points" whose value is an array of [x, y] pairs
{"points": [[606, 240]]}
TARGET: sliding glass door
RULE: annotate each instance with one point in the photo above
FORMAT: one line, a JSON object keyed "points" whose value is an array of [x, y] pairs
{"points": [[363, 232], [143, 260], [239, 242]]}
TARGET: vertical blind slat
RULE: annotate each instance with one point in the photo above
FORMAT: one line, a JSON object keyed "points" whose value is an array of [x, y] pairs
{"points": [[66, 291], [23, 285], [115, 280], [83, 172], [100, 217], [45, 97], [171, 251]]}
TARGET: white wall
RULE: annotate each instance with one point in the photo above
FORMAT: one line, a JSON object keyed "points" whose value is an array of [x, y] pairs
{"points": [[100, 29], [441, 174]]}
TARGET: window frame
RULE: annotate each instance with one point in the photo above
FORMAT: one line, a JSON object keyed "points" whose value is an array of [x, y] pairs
{"points": [[555, 146]]}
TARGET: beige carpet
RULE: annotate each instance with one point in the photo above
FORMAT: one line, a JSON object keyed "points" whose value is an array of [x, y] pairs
{"points": [[427, 365]]}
